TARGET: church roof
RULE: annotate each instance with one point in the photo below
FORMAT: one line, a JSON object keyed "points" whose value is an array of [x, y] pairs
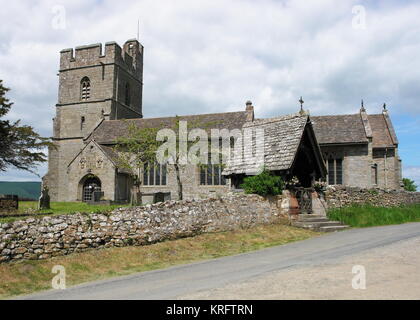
{"points": [[340, 129], [349, 129], [282, 136], [381, 136], [108, 131]]}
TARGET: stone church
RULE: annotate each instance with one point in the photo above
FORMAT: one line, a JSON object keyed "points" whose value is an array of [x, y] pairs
{"points": [[100, 94]]}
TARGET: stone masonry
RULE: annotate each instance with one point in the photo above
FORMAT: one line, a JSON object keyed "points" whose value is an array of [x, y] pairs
{"points": [[60, 235], [340, 196]]}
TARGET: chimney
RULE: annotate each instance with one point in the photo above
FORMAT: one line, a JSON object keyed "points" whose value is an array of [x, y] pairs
{"points": [[249, 111]]}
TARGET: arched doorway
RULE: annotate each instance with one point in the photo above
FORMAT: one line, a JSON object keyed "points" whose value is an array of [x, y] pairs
{"points": [[92, 184]]}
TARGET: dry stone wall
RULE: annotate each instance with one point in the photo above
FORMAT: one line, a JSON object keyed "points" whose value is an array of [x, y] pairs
{"points": [[40, 238], [339, 196]]}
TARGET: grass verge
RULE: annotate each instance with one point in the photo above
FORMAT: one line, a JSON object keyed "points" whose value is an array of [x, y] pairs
{"points": [[57, 208], [29, 276], [369, 216]]}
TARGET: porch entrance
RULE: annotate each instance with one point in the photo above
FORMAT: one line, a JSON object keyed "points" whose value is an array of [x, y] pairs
{"points": [[304, 198], [91, 185]]}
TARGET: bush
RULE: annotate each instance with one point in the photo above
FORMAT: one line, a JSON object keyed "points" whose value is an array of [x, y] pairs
{"points": [[409, 185], [263, 184]]}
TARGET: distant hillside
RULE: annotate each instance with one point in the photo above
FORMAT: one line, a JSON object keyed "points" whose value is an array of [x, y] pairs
{"points": [[28, 190]]}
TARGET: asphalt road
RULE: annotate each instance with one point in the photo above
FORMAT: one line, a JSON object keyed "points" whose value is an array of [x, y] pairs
{"points": [[187, 279]]}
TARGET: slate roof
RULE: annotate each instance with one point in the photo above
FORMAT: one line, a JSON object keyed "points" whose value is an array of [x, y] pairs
{"points": [[110, 153], [108, 131], [339, 129], [381, 137], [282, 136], [342, 129]]}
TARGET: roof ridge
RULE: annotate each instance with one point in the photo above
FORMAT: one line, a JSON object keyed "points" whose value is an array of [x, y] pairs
{"points": [[336, 115], [188, 115], [262, 121]]}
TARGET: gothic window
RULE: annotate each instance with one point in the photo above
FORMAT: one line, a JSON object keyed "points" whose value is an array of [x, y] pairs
{"points": [[154, 175], [85, 89], [127, 95], [335, 171], [211, 174]]}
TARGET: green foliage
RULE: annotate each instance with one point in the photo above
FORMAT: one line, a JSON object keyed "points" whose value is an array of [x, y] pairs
{"points": [[137, 148], [368, 216], [263, 184], [20, 145], [409, 185]]}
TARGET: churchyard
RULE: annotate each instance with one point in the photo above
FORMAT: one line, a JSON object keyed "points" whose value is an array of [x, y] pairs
{"points": [[30, 209]]}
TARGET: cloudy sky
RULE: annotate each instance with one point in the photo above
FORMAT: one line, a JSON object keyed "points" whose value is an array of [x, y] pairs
{"points": [[211, 56]]}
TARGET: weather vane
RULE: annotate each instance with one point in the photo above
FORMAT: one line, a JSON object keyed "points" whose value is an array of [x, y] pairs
{"points": [[301, 103]]}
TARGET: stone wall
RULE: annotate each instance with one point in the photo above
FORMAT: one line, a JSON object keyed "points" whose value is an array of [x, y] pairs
{"points": [[9, 203], [60, 235], [339, 196]]}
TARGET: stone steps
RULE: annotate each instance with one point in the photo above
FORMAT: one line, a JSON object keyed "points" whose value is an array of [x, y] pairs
{"points": [[318, 223]]}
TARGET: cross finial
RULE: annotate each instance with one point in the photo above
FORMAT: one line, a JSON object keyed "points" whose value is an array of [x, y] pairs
{"points": [[362, 106], [301, 103]]}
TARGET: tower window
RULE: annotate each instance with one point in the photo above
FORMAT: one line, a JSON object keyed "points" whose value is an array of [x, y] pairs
{"points": [[127, 95], [85, 89], [82, 122]]}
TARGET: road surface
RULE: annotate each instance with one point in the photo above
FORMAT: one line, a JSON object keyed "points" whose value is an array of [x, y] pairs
{"points": [[231, 277]]}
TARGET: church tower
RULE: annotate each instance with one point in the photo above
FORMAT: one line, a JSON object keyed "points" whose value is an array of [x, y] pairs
{"points": [[95, 84]]}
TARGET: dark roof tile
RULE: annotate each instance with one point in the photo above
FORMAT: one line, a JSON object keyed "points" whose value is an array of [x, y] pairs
{"points": [[108, 131], [339, 129], [381, 137]]}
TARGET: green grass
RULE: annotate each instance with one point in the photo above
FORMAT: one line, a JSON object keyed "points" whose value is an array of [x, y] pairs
{"points": [[28, 276], [369, 216], [57, 208]]}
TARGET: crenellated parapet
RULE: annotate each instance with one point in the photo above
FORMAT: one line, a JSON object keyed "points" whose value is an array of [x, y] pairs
{"points": [[130, 56]]}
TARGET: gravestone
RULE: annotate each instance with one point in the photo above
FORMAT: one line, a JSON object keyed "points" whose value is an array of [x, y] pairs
{"points": [[9, 203], [44, 199]]}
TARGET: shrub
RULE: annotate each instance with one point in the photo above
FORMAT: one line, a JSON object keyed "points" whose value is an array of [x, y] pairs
{"points": [[409, 185], [263, 184]]}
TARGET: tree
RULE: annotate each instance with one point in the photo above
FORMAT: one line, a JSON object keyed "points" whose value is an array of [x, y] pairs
{"points": [[20, 146], [196, 150], [135, 150], [139, 147], [409, 185]]}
